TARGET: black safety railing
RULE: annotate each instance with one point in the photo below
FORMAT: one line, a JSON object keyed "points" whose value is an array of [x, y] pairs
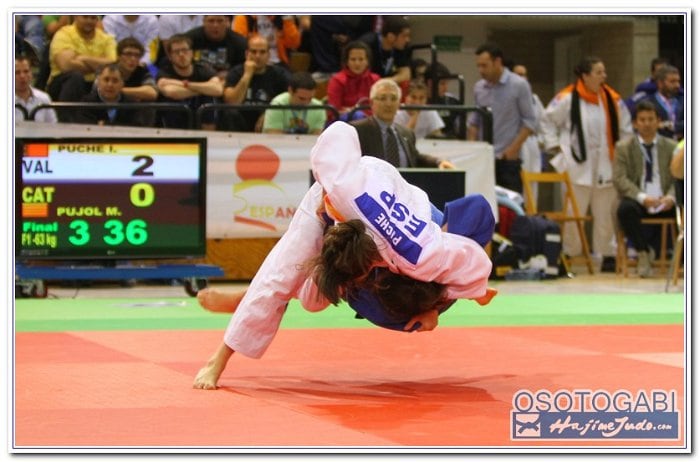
{"points": [[59, 107], [194, 121], [209, 107], [485, 113], [432, 65], [23, 110]]}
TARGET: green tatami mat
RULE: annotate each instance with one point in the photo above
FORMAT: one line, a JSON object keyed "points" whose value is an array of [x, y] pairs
{"points": [[57, 315]]}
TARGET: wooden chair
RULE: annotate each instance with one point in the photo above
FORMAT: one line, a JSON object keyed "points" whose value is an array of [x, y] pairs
{"points": [[569, 212], [668, 227]]}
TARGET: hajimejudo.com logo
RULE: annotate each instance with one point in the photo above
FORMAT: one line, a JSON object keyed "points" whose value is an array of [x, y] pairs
{"points": [[595, 414]]}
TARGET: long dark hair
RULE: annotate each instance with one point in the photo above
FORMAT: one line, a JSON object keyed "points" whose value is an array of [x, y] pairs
{"points": [[403, 297], [347, 255], [585, 66]]}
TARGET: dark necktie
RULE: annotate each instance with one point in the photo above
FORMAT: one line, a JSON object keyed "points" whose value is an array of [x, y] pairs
{"points": [[648, 162], [392, 148]]}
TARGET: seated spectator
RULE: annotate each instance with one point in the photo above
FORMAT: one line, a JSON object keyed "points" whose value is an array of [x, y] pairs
{"points": [[215, 44], [139, 84], [253, 82], [381, 137], [351, 86], [647, 87], [391, 56], [143, 27], [172, 24], [328, 36], [30, 37], [108, 89], [668, 102], [299, 121], [76, 52], [183, 80], [29, 97], [423, 123], [450, 119], [51, 25], [419, 67], [281, 33], [644, 183]]}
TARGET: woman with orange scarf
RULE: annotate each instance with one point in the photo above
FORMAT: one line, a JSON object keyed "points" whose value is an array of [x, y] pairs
{"points": [[581, 125]]}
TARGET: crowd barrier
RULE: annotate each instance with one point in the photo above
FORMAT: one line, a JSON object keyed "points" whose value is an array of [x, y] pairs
{"points": [[194, 118]]}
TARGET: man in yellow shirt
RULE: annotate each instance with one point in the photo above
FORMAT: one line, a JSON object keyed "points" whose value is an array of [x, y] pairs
{"points": [[76, 52]]}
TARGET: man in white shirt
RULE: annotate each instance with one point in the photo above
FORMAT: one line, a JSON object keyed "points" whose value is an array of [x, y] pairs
{"points": [[28, 96]]}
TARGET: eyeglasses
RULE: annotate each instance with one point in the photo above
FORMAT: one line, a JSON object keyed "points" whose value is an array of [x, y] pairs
{"points": [[384, 98], [179, 51], [131, 54]]}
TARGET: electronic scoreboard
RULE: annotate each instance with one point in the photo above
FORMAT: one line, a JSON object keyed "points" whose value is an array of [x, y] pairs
{"points": [[116, 198]]}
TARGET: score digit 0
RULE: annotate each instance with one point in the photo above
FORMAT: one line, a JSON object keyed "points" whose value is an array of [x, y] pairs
{"points": [[142, 194]]}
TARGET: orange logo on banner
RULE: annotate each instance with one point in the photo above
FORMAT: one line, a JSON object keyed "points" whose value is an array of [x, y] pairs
{"points": [[257, 166]]}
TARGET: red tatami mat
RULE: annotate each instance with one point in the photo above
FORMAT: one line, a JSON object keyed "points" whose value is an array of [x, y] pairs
{"points": [[325, 387]]}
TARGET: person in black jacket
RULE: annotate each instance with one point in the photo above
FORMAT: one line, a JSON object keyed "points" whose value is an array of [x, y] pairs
{"points": [[108, 90], [375, 132]]}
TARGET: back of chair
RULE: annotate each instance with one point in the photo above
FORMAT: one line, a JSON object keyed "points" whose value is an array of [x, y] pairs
{"points": [[569, 210]]}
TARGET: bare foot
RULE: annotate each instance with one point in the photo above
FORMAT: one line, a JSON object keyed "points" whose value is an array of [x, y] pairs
{"points": [[219, 302]]}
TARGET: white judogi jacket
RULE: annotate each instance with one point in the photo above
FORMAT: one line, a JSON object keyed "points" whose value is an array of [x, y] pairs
{"points": [[397, 216], [556, 128]]}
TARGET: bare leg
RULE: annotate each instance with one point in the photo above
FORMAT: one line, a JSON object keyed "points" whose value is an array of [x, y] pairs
{"points": [[208, 376], [220, 302]]}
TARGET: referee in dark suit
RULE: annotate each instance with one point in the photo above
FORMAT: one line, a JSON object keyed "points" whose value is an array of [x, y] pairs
{"points": [[381, 137]]}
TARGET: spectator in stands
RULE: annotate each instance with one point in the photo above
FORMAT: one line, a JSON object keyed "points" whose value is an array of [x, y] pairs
{"points": [[250, 83], [139, 84], [668, 102], [215, 44], [29, 97], [419, 67], [391, 57], [76, 51], [381, 137], [351, 86], [30, 37], [647, 87], [450, 119], [510, 100], [644, 183], [171, 24], [108, 90], [581, 125], [281, 33], [183, 80], [51, 25], [299, 120], [423, 123], [143, 28], [328, 36]]}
